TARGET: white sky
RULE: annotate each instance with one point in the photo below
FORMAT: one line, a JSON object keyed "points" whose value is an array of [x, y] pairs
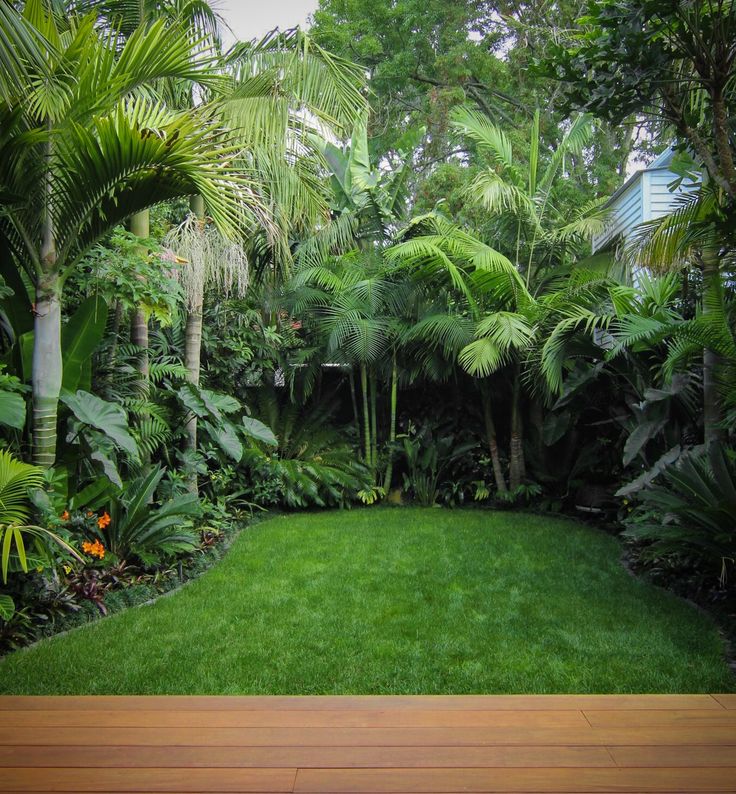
{"points": [[251, 19]]}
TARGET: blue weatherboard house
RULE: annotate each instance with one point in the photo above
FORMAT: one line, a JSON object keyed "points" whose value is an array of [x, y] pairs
{"points": [[646, 195]]}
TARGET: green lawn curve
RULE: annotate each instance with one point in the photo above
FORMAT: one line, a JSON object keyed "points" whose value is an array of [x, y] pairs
{"points": [[394, 600]]}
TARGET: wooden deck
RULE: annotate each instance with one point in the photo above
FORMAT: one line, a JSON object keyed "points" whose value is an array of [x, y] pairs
{"points": [[589, 743]]}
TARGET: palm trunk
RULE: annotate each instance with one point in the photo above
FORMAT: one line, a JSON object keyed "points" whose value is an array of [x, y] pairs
{"points": [[140, 227], [139, 337], [193, 349], [47, 369], [498, 474], [117, 321], [516, 447], [392, 425], [712, 415], [374, 424], [354, 400], [366, 414]]}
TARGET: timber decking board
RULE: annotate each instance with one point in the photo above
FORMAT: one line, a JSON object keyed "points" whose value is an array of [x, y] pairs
{"points": [[262, 718], [369, 737], [671, 744], [362, 702], [311, 757]]}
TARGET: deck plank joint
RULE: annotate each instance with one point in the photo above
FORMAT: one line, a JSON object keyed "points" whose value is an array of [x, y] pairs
{"points": [[370, 745]]}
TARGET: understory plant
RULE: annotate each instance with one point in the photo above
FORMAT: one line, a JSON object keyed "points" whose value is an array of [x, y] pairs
{"points": [[688, 515], [140, 528]]}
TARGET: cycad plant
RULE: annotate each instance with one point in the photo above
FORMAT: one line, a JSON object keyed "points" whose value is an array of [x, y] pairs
{"points": [[689, 513], [84, 146], [139, 528]]}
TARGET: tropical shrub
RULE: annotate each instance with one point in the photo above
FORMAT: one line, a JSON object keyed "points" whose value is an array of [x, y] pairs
{"points": [[429, 456], [689, 513], [17, 479], [305, 461], [136, 527]]}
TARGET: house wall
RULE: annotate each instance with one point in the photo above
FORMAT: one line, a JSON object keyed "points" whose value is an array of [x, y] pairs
{"points": [[627, 211], [661, 200], [646, 198]]}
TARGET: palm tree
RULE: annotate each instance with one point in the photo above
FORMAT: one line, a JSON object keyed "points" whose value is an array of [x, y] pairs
{"points": [[476, 325], [88, 147], [277, 90], [349, 298], [200, 23], [692, 234], [522, 198], [500, 290], [362, 309]]}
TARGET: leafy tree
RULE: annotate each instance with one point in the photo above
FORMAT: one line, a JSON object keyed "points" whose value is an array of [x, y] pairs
{"points": [[673, 61], [425, 58]]}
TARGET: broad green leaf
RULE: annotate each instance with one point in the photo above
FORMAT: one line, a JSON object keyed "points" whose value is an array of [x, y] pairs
{"points": [[7, 607], [639, 438], [108, 466], [207, 404], [260, 432], [94, 495], [80, 338], [225, 435], [12, 410], [555, 426], [216, 401], [107, 417]]}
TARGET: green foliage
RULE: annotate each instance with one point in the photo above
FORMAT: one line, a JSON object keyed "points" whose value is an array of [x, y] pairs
{"points": [[312, 465], [12, 401], [17, 480], [134, 272], [633, 56], [689, 512], [429, 455], [109, 418], [140, 528]]}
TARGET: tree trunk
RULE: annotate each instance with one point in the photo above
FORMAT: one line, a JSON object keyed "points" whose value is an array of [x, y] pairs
{"points": [[47, 369], [354, 400], [192, 354], [712, 415], [374, 424], [392, 424], [140, 227], [117, 321], [491, 438], [366, 414], [516, 447], [193, 349]]}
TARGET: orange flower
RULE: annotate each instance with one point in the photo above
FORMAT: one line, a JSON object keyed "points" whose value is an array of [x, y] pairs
{"points": [[94, 549], [104, 520], [65, 515], [89, 513]]}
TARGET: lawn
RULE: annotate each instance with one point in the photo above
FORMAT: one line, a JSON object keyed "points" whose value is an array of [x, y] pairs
{"points": [[398, 600]]}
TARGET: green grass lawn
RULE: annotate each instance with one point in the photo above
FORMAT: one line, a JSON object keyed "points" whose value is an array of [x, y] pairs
{"points": [[396, 600]]}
